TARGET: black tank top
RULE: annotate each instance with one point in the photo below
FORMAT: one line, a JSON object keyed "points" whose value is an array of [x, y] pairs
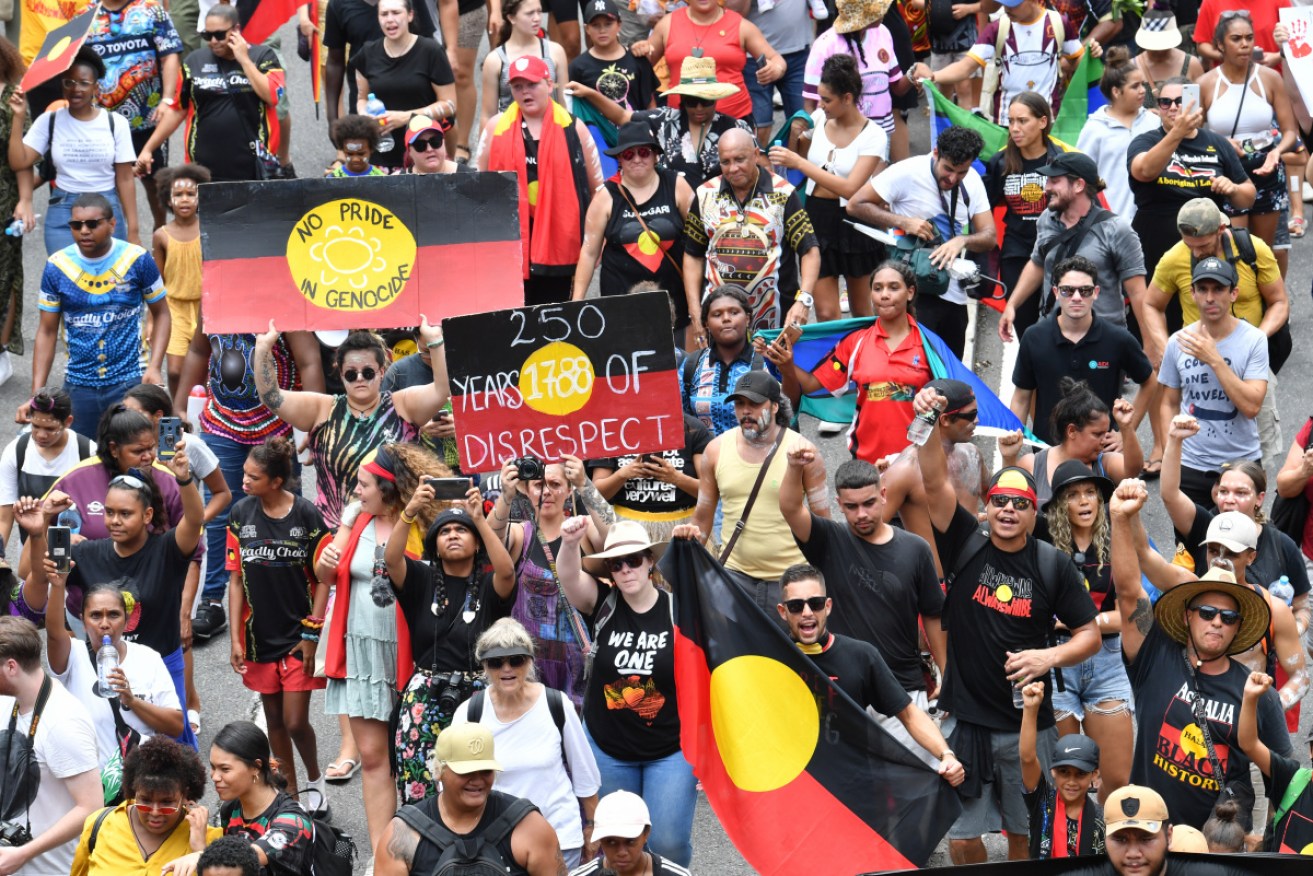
{"points": [[631, 255], [427, 854]]}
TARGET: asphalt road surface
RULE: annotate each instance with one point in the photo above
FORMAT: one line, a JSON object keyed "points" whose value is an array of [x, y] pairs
{"points": [[224, 697]]}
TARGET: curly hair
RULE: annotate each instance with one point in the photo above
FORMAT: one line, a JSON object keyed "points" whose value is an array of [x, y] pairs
{"points": [[356, 127], [167, 176], [164, 766], [413, 464], [1059, 520], [232, 852]]}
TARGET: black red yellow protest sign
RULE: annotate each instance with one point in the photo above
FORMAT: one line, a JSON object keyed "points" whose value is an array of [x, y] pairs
{"points": [[58, 49], [592, 379], [372, 252]]}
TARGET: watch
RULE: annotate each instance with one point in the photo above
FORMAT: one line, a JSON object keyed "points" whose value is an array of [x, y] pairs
{"points": [[805, 298], [948, 752]]}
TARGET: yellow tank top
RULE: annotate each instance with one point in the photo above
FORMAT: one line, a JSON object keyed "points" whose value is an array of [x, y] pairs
{"points": [[766, 548], [182, 269]]}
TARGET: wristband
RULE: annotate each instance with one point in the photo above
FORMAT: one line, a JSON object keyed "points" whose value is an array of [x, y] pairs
{"points": [[310, 637], [948, 752], [409, 521], [183, 483], [171, 103], [433, 345]]}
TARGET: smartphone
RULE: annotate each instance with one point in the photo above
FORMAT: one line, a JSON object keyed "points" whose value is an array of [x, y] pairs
{"points": [[1190, 95], [761, 61], [169, 431], [447, 489], [652, 458], [59, 547]]}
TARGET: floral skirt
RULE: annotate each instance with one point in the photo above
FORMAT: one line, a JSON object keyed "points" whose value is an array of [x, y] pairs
{"points": [[419, 721]]}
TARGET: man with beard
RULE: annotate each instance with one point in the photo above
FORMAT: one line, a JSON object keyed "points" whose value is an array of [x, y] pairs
{"points": [[743, 470], [1004, 589], [1075, 224]]}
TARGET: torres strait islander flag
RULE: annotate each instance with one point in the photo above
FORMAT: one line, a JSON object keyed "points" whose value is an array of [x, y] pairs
{"points": [[58, 49], [803, 779]]}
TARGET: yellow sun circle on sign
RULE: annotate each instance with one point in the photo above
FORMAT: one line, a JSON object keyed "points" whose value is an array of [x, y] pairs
{"points": [[1192, 740], [59, 48], [762, 749], [1003, 593], [557, 379], [351, 255], [649, 243], [1307, 850]]}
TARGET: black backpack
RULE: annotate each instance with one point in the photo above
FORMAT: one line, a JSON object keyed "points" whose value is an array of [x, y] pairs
{"points": [[469, 855], [333, 852]]}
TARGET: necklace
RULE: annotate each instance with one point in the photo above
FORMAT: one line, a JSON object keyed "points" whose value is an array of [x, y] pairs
{"points": [[706, 29], [141, 847], [410, 44], [362, 413]]}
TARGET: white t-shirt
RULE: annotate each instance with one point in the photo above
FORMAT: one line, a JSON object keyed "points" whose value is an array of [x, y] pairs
{"points": [[202, 458], [910, 188], [65, 746], [147, 676], [840, 160], [85, 152], [34, 464], [1031, 61], [529, 750]]}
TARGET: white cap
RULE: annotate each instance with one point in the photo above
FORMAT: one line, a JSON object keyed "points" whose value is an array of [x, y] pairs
{"points": [[620, 814]]}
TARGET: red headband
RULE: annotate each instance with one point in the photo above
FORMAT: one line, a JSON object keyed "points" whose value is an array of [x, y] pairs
{"points": [[378, 471], [1012, 491]]}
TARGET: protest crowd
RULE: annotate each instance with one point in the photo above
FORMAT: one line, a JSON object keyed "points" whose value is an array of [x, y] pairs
{"points": [[500, 634]]}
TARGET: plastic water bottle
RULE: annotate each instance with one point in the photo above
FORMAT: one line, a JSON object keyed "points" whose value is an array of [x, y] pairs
{"points": [[922, 425], [15, 228], [107, 660], [375, 108], [779, 169], [1283, 589], [196, 400]]}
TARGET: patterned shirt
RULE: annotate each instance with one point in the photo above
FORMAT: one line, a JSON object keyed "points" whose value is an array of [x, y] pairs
{"points": [[132, 42], [283, 832], [234, 409], [101, 302], [697, 161], [340, 444]]}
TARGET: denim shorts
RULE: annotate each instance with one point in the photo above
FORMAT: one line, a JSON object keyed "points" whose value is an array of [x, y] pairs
{"points": [[1096, 680]]}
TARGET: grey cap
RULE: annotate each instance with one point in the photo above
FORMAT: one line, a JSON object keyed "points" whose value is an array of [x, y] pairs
{"points": [[1213, 268], [1076, 750]]}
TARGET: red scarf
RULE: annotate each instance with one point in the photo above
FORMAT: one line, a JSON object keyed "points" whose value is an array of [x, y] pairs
{"points": [[1059, 848], [555, 205]]}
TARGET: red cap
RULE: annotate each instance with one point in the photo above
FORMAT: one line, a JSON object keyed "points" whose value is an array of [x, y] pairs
{"points": [[529, 67]]}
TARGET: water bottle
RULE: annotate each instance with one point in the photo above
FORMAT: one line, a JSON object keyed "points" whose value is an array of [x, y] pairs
{"points": [[15, 228], [922, 425], [196, 405], [1283, 589], [779, 169], [375, 108], [107, 660]]}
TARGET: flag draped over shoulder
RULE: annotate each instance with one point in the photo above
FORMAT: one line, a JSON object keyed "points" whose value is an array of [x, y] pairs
{"points": [[803, 779]]}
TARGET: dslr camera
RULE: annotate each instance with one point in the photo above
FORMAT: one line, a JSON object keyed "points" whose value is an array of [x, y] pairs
{"points": [[13, 834], [453, 689], [530, 468]]}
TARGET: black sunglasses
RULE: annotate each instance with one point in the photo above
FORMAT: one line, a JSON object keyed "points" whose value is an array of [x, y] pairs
{"points": [[219, 35], [1209, 613], [1073, 291], [1002, 500], [815, 603], [696, 101], [351, 375], [633, 561], [424, 144], [516, 661], [1168, 102], [963, 415], [91, 224]]}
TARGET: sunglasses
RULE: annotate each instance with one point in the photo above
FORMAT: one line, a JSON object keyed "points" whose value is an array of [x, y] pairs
{"points": [[1209, 613], [1002, 500], [91, 224], [516, 661], [963, 415], [158, 810], [76, 83], [643, 152], [1074, 291], [633, 561], [815, 603], [424, 144], [130, 481], [696, 101], [1169, 102], [219, 35], [351, 375]]}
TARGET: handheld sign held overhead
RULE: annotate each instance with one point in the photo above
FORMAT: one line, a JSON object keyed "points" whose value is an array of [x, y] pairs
{"points": [[373, 252], [57, 51], [589, 378]]}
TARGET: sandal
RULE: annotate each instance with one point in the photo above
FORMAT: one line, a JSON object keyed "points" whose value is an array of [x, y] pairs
{"points": [[346, 769], [1152, 469], [1297, 226]]}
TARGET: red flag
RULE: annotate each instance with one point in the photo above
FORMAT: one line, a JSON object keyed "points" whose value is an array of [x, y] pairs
{"points": [[316, 48], [262, 18], [57, 50]]}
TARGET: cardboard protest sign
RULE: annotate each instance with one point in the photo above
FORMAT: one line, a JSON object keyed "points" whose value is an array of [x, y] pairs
{"points": [[58, 49], [1298, 50], [370, 252], [592, 379]]}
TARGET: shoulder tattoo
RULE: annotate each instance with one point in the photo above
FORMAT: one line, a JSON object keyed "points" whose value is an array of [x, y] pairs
{"points": [[1143, 615], [403, 843]]}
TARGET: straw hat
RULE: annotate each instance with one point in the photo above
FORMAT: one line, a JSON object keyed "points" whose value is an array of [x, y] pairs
{"points": [[697, 78], [1254, 613], [857, 14]]}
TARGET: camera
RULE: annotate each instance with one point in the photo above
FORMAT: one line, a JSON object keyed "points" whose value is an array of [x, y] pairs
{"points": [[529, 467], [14, 834], [453, 689]]}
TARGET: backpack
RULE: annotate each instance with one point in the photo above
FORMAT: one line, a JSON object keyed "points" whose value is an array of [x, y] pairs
{"points": [[468, 855], [555, 705], [994, 71], [45, 168], [332, 851], [1050, 560]]}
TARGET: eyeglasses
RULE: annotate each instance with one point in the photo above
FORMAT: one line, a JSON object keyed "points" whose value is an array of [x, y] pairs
{"points": [[424, 144], [963, 415], [1169, 102], [516, 660], [351, 375], [815, 603], [1073, 291], [643, 152], [633, 561], [1002, 500], [91, 224], [1209, 613], [76, 83], [131, 481], [158, 810], [696, 101], [219, 35], [355, 148]]}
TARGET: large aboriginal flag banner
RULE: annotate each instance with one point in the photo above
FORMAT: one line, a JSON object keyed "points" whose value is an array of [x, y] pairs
{"points": [[1178, 864], [592, 379], [58, 49], [802, 778], [371, 252]]}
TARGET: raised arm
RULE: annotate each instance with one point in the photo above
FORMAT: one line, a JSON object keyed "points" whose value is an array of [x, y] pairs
{"points": [[792, 506], [21, 156], [301, 410], [44, 579], [1247, 730], [941, 498], [1132, 602], [580, 587], [1180, 508], [419, 404], [1032, 697], [188, 531], [503, 568]]}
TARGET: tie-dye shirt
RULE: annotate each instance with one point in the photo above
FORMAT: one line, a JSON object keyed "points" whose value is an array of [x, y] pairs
{"points": [[341, 443]]}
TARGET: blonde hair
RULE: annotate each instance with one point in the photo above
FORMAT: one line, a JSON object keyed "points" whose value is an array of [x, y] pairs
{"points": [[1059, 520], [413, 464], [506, 632]]}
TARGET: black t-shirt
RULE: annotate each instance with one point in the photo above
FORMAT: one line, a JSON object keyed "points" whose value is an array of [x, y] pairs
{"points": [[403, 84], [226, 114], [858, 670], [646, 249], [1170, 755], [1101, 358], [349, 24], [1277, 554], [276, 558], [153, 575], [626, 80], [879, 591], [440, 637], [1084, 834], [1189, 174], [1023, 196], [630, 706], [999, 603], [654, 497], [1294, 832]]}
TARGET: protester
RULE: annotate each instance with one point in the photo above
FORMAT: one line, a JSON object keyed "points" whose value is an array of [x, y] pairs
{"points": [[859, 33], [520, 36], [176, 247], [356, 138], [708, 376], [426, 147], [1222, 831], [228, 856], [787, 27], [1262, 16], [1051, 800], [32, 462], [1161, 56], [1288, 789], [15, 201], [660, 490], [621, 832], [1293, 484], [608, 68], [1107, 135], [1137, 832]]}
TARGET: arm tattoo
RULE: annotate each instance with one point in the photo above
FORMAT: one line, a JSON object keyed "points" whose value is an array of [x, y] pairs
{"points": [[403, 843], [595, 503], [271, 395], [1143, 615]]}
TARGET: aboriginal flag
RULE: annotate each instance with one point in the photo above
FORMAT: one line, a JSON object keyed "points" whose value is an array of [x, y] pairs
{"points": [[262, 18], [58, 49], [371, 252], [802, 778]]}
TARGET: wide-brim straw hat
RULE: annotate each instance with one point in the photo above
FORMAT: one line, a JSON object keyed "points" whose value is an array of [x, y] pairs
{"points": [[697, 78], [1255, 616], [857, 14]]}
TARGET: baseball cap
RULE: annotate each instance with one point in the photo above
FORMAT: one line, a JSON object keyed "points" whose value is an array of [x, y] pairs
{"points": [[465, 749], [422, 124], [621, 814], [1213, 268], [1076, 750], [1234, 531], [529, 67], [756, 387], [1076, 164], [599, 7], [1010, 4], [1188, 839], [1134, 807], [957, 393], [1200, 217], [1012, 481]]}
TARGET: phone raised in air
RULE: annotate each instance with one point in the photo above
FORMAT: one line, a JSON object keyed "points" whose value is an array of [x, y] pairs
{"points": [[170, 430], [1190, 96], [449, 489], [59, 547]]}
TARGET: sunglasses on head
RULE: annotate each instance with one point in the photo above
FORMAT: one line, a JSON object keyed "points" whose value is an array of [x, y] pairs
{"points": [[355, 148], [1002, 500], [424, 144], [1074, 291], [633, 561], [91, 224], [219, 35], [1209, 613], [644, 152], [795, 606], [351, 375], [132, 480], [158, 810], [516, 661]]}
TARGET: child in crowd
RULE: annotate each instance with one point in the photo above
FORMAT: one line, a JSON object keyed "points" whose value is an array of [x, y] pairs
{"points": [[177, 250], [1065, 821], [1288, 789], [356, 138], [228, 856]]}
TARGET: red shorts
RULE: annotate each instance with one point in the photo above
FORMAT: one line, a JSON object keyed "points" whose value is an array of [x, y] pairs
{"points": [[284, 674]]}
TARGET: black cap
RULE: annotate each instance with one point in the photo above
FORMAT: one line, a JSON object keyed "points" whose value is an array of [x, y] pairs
{"points": [[631, 134], [756, 387], [957, 393], [1076, 164], [599, 7], [456, 515], [1073, 471], [1213, 268], [1077, 751]]}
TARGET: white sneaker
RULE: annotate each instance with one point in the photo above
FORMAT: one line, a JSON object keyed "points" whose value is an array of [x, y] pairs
{"points": [[6, 367], [843, 302], [1308, 193], [828, 429]]}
